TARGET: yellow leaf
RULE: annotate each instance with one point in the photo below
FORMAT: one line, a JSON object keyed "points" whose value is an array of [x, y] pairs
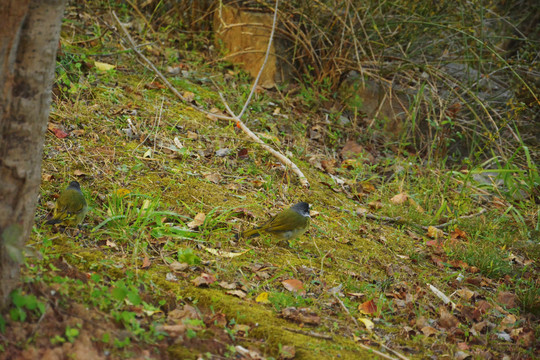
{"points": [[122, 192], [368, 323], [101, 66], [223, 253], [262, 298]]}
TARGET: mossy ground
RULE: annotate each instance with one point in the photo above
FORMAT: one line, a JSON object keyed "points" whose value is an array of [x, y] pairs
{"points": [[391, 263]]}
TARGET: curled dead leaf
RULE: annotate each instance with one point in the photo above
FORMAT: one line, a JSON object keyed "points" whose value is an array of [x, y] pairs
{"points": [[197, 221], [399, 199]]}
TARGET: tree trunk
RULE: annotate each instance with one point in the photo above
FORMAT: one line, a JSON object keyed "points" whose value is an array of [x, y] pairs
{"points": [[29, 34]]}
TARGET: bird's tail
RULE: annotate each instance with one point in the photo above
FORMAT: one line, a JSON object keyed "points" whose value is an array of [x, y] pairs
{"points": [[248, 234]]}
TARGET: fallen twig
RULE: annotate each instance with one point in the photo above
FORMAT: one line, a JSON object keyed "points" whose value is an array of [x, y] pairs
{"points": [[453, 221], [445, 299], [310, 333]]}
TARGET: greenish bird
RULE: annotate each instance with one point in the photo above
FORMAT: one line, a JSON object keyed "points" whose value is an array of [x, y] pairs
{"points": [[286, 225], [71, 207]]}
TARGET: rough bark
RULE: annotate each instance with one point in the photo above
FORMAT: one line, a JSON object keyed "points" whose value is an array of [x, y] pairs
{"points": [[29, 34]]}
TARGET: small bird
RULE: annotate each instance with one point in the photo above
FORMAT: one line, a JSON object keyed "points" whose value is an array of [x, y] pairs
{"points": [[286, 225], [71, 207]]}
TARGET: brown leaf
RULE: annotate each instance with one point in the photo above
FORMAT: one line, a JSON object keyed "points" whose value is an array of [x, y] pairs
{"points": [[178, 315], [458, 264], [192, 135], [294, 285], [146, 262], [79, 173], [458, 234], [189, 96], [351, 149], [287, 352], [243, 153], [204, 280], [178, 266], [237, 293], [375, 205], [213, 177], [471, 313], [508, 299], [446, 319], [60, 134], [361, 211], [174, 331], [227, 285], [301, 315], [399, 199], [465, 293], [198, 221], [508, 322], [525, 338], [428, 331], [369, 307], [329, 166]]}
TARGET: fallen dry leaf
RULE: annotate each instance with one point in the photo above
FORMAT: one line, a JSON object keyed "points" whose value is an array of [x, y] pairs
{"points": [[351, 149], [508, 322], [189, 96], [174, 331], [458, 234], [465, 293], [375, 205], [178, 266], [59, 133], [508, 299], [146, 262], [227, 285], [428, 331], [369, 307], [101, 66], [446, 319], [361, 211], [367, 323], [224, 253], [204, 280], [301, 315], [287, 352], [434, 233], [197, 221], [213, 177], [263, 298], [399, 199], [294, 285], [238, 293]]}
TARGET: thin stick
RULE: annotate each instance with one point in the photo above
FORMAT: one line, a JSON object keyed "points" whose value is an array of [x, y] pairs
{"points": [[451, 222], [310, 333]]}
